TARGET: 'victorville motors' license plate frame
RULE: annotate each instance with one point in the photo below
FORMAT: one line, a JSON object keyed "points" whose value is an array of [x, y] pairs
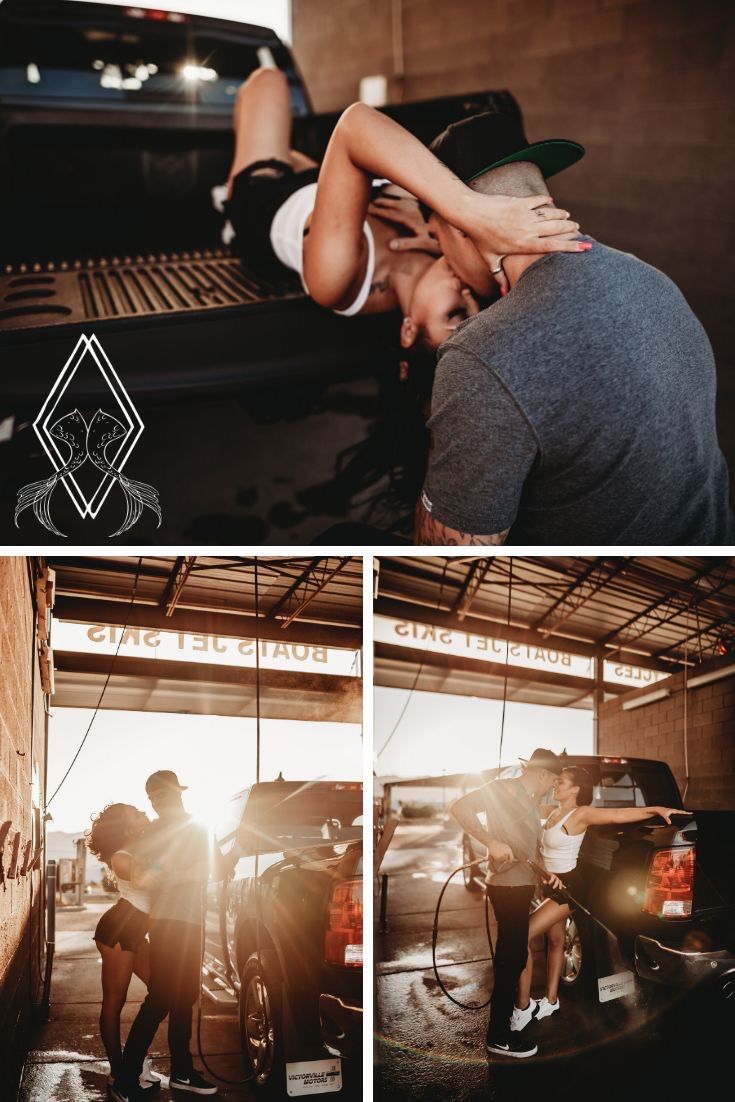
{"points": [[314, 1077], [615, 987]]}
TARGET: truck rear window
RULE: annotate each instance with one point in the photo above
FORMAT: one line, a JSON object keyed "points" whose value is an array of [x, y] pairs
{"points": [[134, 61], [633, 785]]}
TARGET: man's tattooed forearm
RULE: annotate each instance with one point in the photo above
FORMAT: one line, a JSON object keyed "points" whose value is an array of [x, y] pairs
{"points": [[432, 533]]}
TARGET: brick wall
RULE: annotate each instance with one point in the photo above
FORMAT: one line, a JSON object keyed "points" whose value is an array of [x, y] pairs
{"points": [[22, 748], [657, 731], [645, 85]]}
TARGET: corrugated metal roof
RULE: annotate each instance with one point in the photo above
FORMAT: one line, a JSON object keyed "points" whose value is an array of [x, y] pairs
{"points": [[650, 612], [216, 585], [664, 609]]}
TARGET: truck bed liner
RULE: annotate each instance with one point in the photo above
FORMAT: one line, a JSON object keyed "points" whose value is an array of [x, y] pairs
{"points": [[123, 287]]}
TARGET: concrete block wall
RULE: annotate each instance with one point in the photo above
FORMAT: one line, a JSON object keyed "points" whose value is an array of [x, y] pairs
{"points": [[656, 730], [644, 85], [22, 747]]}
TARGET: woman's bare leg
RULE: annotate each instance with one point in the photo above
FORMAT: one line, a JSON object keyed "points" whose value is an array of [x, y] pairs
{"points": [[262, 120], [555, 959], [543, 920], [117, 968]]}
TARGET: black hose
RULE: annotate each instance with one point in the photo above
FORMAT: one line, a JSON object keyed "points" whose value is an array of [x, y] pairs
{"points": [[435, 935]]}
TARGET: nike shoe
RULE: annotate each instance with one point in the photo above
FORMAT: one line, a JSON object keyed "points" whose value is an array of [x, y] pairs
{"points": [[194, 1083], [513, 1046], [521, 1018], [546, 1009], [148, 1076]]}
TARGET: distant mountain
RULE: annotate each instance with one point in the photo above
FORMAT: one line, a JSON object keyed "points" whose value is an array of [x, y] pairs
{"points": [[60, 843]]}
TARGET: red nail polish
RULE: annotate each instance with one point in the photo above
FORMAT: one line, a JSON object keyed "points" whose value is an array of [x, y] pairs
{"points": [[503, 291], [585, 247]]}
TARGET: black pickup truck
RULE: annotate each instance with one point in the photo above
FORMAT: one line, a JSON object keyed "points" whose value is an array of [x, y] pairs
{"points": [[115, 125], [284, 934], [664, 896]]}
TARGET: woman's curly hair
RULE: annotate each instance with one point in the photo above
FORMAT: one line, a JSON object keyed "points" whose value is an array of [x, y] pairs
{"points": [[109, 832]]}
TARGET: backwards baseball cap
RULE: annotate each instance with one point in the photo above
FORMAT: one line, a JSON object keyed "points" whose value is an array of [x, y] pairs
{"points": [[543, 759], [165, 780], [482, 142]]}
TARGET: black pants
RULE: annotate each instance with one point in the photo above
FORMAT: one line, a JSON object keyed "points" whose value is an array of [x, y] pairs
{"points": [[511, 906], [175, 968]]}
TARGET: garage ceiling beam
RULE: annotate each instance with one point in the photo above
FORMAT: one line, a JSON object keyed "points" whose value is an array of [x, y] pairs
{"points": [[317, 575], [399, 610], [181, 570], [163, 669], [432, 659], [87, 610], [702, 632], [200, 689], [675, 598], [477, 571], [597, 575]]}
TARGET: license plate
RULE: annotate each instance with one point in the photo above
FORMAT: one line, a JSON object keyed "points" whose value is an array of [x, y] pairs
{"points": [[615, 987], [314, 1077]]}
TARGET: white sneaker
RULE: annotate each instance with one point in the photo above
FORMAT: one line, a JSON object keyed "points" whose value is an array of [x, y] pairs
{"points": [[546, 1009], [520, 1018], [148, 1075]]}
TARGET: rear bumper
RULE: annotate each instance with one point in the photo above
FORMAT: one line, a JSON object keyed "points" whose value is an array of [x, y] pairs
{"points": [[677, 968], [341, 1026]]}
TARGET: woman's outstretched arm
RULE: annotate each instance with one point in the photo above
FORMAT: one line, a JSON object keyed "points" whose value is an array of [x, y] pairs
{"points": [[366, 143], [600, 816]]}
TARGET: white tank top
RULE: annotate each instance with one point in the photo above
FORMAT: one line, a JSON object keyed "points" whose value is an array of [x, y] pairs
{"points": [[287, 241], [137, 896], [558, 849]]}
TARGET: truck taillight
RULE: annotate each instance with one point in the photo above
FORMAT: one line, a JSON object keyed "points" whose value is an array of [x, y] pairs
{"points": [[343, 939], [670, 884]]}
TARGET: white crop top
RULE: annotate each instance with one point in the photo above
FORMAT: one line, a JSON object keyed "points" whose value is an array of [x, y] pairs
{"points": [[287, 241], [137, 896], [558, 849]]}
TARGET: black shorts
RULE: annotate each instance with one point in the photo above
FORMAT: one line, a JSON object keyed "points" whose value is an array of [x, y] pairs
{"points": [[123, 925], [256, 197], [572, 880]]}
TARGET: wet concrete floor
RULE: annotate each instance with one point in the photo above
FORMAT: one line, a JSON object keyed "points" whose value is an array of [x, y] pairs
{"points": [[67, 1061], [429, 1050]]}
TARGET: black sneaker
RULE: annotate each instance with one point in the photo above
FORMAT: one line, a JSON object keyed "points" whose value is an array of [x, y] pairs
{"points": [[193, 1082], [515, 1045]]}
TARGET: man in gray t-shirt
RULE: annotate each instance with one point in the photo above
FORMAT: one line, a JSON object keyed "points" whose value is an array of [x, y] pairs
{"points": [[579, 409], [512, 833], [173, 855]]}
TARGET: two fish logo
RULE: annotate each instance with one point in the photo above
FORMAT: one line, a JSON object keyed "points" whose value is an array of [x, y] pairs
{"points": [[104, 440]]}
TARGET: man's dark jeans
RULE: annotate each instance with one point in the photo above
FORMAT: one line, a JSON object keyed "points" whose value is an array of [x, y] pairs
{"points": [[175, 974], [511, 906]]}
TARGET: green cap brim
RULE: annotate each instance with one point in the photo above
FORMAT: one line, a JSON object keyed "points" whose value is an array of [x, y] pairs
{"points": [[551, 157]]}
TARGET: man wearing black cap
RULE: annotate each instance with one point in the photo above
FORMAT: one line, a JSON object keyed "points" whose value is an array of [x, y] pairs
{"points": [[580, 408], [172, 859], [512, 836]]}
